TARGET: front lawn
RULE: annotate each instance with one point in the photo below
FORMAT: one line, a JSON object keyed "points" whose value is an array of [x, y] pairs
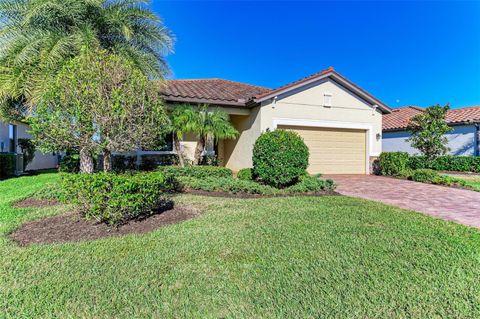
{"points": [[291, 257]]}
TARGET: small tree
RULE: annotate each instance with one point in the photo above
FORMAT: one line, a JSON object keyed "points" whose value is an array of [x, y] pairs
{"points": [[28, 151], [183, 120], [98, 103], [428, 131], [214, 124]]}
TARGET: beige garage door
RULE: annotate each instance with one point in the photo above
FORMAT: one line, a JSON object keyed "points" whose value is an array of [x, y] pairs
{"points": [[334, 151]]}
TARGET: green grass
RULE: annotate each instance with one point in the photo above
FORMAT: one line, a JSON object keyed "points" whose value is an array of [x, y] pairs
{"points": [[472, 181], [299, 257]]}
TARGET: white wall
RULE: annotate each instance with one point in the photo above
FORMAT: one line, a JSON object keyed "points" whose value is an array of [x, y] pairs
{"points": [[461, 141]]}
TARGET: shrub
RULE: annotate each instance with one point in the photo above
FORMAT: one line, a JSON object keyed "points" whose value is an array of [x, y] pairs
{"points": [[196, 171], [311, 184], [245, 174], [447, 163], [393, 163], [122, 163], [424, 175], [151, 162], [227, 184], [70, 163], [432, 177], [51, 191], [7, 164], [279, 158], [116, 199]]}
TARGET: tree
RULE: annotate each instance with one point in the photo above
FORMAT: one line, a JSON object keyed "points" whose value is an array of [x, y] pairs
{"points": [[214, 124], [28, 151], [99, 102], [38, 37], [428, 131], [183, 119]]}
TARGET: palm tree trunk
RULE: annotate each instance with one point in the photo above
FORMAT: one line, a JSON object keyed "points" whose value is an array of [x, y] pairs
{"points": [[199, 150], [179, 151], [107, 160], [86, 162]]}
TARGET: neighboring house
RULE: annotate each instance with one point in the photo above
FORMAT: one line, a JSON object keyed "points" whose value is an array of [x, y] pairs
{"points": [[340, 122], [9, 135], [462, 140]]}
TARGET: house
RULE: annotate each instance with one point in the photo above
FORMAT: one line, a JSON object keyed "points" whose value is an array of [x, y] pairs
{"points": [[462, 140], [10, 133], [340, 122]]}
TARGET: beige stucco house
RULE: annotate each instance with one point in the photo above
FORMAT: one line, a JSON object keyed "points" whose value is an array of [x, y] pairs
{"points": [[340, 122]]}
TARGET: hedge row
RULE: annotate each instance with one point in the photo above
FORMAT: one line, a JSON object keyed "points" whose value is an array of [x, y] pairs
{"points": [[400, 163], [7, 164]]}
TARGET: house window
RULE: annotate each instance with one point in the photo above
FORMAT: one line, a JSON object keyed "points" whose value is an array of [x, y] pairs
{"points": [[327, 99], [12, 138]]}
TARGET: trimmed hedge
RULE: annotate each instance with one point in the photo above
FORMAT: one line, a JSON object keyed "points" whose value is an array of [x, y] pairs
{"points": [[245, 174], [447, 163], [7, 164], [307, 184], [399, 163], [115, 199], [196, 171], [424, 175], [394, 163], [279, 158]]}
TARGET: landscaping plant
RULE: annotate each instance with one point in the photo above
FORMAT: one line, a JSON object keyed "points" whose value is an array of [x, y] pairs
{"points": [[245, 174], [27, 148], [428, 131], [99, 103], [280, 157], [39, 37], [115, 198], [394, 163], [7, 164], [199, 172]]}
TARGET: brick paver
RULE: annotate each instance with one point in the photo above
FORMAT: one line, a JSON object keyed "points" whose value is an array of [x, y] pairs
{"points": [[459, 205]]}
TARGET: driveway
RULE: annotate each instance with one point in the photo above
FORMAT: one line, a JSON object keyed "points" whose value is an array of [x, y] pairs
{"points": [[459, 205]]}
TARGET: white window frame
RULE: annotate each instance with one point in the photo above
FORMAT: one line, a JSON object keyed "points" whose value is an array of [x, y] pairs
{"points": [[327, 99]]}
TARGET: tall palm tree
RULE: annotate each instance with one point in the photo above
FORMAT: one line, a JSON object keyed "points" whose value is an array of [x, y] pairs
{"points": [[37, 37]]}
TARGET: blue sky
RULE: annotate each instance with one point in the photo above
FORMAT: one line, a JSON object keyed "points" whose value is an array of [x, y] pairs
{"points": [[404, 53]]}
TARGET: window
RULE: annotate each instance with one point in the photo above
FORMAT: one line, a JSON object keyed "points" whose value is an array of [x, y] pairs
{"points": [[327, 99], [12, 138]]}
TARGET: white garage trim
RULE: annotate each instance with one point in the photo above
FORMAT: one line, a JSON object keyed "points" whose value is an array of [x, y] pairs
{"points": [[332, 124]]}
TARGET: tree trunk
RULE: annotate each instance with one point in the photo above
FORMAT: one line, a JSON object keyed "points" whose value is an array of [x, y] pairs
{"points": [[86, 162], [107, 160], [179, 151], [199, 150]]}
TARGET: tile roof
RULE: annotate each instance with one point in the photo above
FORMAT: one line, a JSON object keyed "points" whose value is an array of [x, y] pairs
{"points": [[400, 117], [211, 91]]}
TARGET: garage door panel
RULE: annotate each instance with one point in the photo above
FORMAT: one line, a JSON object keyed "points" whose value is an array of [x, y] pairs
{"points": [[334, 151]]}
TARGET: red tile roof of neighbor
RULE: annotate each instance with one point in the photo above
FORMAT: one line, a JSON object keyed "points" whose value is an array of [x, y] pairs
{"points": [[400, 118]]}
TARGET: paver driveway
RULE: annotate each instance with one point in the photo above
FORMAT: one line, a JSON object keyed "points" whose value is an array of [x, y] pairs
{"points": [[462, 206]]}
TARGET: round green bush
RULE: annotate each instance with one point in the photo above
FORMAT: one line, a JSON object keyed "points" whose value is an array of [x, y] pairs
{"points": [[245, 174], [279, 158]]}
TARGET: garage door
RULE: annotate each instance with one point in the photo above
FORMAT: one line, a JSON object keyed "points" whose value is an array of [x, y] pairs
{"points": [[334, 151]]}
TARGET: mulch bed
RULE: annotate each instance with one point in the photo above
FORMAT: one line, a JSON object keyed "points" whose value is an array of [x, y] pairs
{"points": [[72, 227], [32, 202], [248, 195]]}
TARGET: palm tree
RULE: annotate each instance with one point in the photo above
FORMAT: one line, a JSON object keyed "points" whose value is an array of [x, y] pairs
{"points": [[214, 124], [37, 37], [202, 121], [183, 119]]}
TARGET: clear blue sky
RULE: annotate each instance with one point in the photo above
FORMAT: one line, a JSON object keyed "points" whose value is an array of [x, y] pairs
{"points": [[405, 53]]}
